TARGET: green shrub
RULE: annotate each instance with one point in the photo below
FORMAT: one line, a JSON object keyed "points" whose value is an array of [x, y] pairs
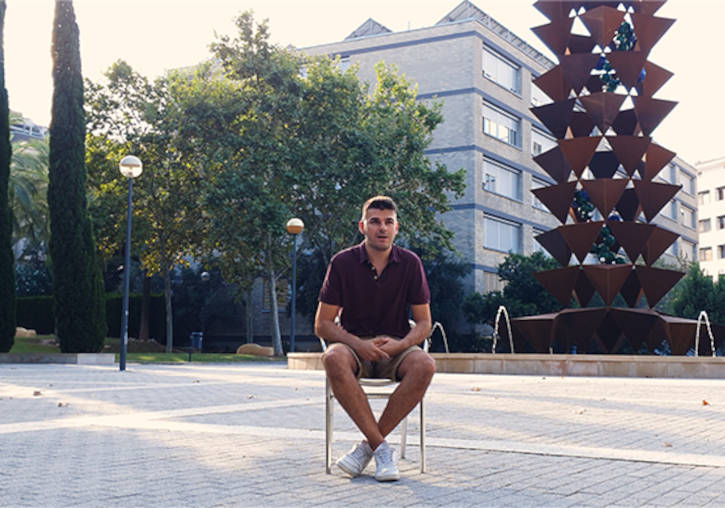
{"points": [[36, 313]]}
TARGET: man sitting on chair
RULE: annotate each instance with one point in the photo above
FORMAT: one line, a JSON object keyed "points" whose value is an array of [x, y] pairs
{"points": [[372, 287]]}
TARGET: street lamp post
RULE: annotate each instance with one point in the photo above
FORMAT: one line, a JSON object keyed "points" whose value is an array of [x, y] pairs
{"points": [[130, 167], [294, 227]]}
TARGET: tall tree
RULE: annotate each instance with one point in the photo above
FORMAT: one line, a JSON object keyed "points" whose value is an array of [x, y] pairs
{"points": [[130, 114], [77, 280], [7, 271]]}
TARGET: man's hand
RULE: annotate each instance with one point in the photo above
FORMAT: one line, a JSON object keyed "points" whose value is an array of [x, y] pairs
{"points": [[391, 346], [372, 350]]}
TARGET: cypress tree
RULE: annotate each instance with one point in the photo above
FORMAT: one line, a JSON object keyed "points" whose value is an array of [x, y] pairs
{"points": [[7, 271], [77, 280]]}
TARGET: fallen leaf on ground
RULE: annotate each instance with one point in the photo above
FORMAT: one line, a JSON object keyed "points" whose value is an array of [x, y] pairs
{"points": [[37, 393], [705, 403], [667, 445], [475, 389]]}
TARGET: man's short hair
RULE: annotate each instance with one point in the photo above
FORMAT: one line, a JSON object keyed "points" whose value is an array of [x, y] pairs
{"points": [[379, 203]]}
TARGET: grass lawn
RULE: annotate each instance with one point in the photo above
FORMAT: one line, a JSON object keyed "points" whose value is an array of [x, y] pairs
{"points": [[45, 344]]}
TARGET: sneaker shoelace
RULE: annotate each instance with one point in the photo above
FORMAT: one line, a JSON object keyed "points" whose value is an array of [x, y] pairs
{"points": [[386, 455], [359, 453]]}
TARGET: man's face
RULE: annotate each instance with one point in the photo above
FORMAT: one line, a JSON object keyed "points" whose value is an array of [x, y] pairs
{"points": [[379, 228]]}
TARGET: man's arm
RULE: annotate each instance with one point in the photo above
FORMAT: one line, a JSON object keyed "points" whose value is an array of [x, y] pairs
{"points": [[326, 328]]}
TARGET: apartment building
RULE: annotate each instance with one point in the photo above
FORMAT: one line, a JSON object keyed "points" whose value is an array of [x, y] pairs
{"points": [[711, 216], [482, 73]]}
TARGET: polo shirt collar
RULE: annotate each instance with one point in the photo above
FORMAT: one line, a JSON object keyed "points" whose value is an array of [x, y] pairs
{"points": [[363, 254]]}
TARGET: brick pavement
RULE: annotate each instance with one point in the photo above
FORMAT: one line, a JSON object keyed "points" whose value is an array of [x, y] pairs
{"points": [[252, 434]]}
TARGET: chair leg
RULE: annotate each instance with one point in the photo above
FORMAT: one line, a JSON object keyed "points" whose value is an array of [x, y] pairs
{"points": [[403, 436], [328, 426], [422, 437]]}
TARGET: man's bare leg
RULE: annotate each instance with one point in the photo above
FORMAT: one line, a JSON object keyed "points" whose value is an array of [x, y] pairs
{"points": [[415, 373], [340, 368]]}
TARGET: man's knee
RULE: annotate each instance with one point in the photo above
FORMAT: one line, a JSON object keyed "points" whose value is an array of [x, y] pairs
{"points": [[420, 364], [337, 359]]}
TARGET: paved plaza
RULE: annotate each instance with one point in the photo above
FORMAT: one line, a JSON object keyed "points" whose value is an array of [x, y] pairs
{"points": [[252, 434]]}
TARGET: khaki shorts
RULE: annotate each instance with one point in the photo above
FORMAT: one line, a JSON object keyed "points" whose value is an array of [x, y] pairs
{"points": [[385, 368]]}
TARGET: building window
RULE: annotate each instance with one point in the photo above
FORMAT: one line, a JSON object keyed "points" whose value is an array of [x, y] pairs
{"points": [[703, 225], [721, 251], [688, 250], [688, 216], [703, 197], [344, 63], [537, 184], [721, 222], [501, 125], [538, 97], [492, 282], [670, 211], [669, 174], [541, 142], [536, 246], [502, 235], [501, 71], [720, 193], [705, 254], [501, 179], [688, 183]]}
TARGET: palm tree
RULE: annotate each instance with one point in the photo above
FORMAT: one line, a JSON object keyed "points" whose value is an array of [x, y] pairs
{"points": [[28, 187]]}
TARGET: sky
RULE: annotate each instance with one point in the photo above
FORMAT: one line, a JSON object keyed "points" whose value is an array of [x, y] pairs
{"points": [[156, 35]]}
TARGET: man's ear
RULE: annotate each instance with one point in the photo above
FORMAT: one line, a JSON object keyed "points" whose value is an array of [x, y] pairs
{"points": [[361, 228]]}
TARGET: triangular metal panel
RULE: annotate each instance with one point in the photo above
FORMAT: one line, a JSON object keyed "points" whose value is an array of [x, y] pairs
{"points": [[629, 150], [557, 198], [577, 68], [659, 241], [580, 124], [655, 77], [648, 7], [559, 283], [602, 22], [538, 331], [628, 206], [553, 84], [650, 112], [655, 159], [631, 290], [604, 164], [580, 237], [649, 29], [555, 116], [553, 162], [628, 65], [656, 282], [610, 335], [579, 151], [632, 236], [653, 196], [555, 34], [607, 279], [580, 43], [604, 192], [636, 324], [583, 291], [626, 123], [603, 108], [555, 245]]}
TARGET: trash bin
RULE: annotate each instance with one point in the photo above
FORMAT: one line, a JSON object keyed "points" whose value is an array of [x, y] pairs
{"points": [[195, 342]]}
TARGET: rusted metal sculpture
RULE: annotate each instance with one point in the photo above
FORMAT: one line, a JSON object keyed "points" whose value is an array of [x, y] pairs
{"points": [[603, 115]]}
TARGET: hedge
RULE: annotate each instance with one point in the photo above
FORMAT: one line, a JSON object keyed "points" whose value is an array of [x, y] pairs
{"points": [[37, 313]]}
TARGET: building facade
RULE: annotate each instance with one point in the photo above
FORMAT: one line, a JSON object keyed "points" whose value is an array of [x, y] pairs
{"points": [[483, 74], [711, 217]]}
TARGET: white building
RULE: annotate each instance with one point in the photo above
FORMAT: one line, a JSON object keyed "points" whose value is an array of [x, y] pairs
{"points": [[711, 222]]}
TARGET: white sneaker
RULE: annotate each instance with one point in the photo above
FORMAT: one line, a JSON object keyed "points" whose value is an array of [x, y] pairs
{"points": [[385, 468], [356, 460]]}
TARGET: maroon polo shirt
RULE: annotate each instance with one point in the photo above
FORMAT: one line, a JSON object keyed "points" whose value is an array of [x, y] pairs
{"points": [[375, 304]]}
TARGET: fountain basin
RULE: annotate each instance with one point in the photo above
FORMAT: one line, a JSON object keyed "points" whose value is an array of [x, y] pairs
{"points": [[705, 367]]}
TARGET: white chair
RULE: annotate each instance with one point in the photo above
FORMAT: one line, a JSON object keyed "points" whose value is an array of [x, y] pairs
{"points": [[372, 391]]}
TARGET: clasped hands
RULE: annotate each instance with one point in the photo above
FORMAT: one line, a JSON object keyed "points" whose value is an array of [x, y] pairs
{"points": [[378, 348]]}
